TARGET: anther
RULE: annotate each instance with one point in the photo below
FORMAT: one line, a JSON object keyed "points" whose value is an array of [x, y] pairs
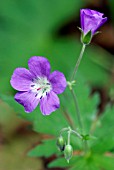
{"points": [[41, 97], [32, 85], [38, 89], [47, 83], [36, 95]]}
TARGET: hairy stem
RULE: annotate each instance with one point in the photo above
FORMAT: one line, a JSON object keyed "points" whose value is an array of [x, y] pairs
{"points": [[77, 110], [68, 117], [76, 133], [78, 62], [86, 147], [69, 137]]}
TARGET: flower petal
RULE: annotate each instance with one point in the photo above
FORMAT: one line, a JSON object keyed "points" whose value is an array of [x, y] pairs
{"points": [[82, 18], [91, 20], [39, 66], [49, 103], [92, 12], [28, 100], [58, 82], [100, 24], [21, 79]]}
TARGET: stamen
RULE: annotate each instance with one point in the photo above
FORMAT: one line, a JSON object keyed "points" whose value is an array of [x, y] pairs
{"points": [[47, 83], [41, 97], [36, 95], [32, 85], [38, 89]]}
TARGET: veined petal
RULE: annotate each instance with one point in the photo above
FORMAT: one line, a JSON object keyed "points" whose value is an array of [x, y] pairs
{"points": [[91, 20], [39, 66], [28, 100], [49, 103], [92, 12], [82, 18], [21, 79], [58, 82], [90, 24], [100, 24]]}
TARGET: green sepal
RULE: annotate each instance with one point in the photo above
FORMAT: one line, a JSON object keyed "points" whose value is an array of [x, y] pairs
{"points": [[88, 137], [80, 29], [86, 39], [70, 84], [98, 32], [85, 137]]}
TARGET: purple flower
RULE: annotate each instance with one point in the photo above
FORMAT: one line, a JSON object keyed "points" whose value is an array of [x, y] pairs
{"points": [[91, 20], [38, 85]]}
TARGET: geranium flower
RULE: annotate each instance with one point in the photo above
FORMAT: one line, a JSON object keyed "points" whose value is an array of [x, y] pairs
{"points": [[91, 20], [38, 85]]}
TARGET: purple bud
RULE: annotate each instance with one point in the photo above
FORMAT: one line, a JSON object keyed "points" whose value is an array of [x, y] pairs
{"points": [[91, 20]]}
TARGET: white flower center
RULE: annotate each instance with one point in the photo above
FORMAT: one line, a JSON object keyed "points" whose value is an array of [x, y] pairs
{"points": [[40, 87]]}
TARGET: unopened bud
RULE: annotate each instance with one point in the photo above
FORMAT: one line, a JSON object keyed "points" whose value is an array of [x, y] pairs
{"points": [[68, 152], [61, 143]]}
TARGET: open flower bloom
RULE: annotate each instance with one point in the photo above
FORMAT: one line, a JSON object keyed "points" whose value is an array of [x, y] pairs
{"points": [[91, 20], [38, 85]]}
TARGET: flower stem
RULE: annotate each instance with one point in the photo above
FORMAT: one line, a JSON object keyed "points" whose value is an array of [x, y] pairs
{"points": [[78, 62], [77, 110], [85, 146], [76, 133], [63, 130], [69, 137]]}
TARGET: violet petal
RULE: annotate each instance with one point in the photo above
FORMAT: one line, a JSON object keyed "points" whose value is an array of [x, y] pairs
{"points": [[92, 12], [49, 103], [100, 24], [91, 20], [21, 79], [82, 19], [28, 100], [58, 82], [39, 66]]}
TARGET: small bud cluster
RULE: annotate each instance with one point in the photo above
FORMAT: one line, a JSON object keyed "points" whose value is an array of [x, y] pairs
{"points": [[66, 148]]}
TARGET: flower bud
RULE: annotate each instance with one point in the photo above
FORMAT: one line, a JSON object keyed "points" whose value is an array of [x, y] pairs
{"points": [[60, 143], [91, 20], [68, 152]]}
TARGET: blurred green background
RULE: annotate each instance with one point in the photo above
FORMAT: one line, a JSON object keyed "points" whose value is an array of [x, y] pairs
{"points": [[48, 28]]}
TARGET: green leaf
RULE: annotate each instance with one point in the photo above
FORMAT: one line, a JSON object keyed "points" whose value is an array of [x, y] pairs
{"points": [[63, 163], [94, 162], [18, 108], [104, 132], [50, 124], [46, 148]]}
